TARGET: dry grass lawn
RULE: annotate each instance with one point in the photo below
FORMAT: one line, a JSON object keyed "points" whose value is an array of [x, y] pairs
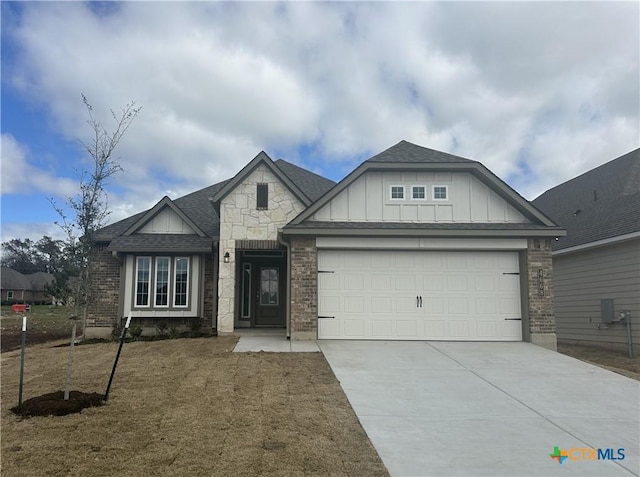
{"points": [[612, 360], [185, 407]]}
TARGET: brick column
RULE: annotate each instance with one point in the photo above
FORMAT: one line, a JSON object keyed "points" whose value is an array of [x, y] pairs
{"points": [[104, 293], [304, 289], [542, 321]]}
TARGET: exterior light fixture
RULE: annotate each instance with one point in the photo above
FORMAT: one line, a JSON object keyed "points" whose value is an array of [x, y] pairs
{"points": [[226, 257]]}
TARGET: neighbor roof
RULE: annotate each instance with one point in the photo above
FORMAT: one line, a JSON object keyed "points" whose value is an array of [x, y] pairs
{"points": [[599, 204], [14, 280]]}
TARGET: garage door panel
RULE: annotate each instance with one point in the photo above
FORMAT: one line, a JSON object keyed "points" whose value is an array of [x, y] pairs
{"points": [[354, 328], [373, 295], [407, 328]]}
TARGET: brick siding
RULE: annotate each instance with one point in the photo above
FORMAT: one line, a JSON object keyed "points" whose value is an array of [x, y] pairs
{"points": [[541, 315], [104, 289], [304, 288]]}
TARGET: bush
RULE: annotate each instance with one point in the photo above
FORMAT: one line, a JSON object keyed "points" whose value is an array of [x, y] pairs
{"points": [[174, 332], [116, 330], [162, 328], [195, 325], [135, 331]]}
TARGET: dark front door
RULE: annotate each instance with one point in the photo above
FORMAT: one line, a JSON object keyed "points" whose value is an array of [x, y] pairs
{"points": [[269, 297], [262, 288]]}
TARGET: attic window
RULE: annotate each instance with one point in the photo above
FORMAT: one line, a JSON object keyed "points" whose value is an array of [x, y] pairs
{"points": [[397, 192], [440, 193], [263, 197]]}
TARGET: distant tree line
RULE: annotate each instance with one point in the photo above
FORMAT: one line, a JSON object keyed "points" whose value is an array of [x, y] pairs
{"points": [[45, 255]]}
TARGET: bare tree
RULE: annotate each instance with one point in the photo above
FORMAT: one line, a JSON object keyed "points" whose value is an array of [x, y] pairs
{"points": [[87, 211]]}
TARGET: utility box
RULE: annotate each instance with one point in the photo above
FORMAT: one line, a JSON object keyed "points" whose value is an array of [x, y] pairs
{"points": [[606, 310]]}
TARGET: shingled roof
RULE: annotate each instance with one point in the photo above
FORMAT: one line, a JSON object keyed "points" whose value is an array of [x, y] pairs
{"points": [[14, 280], [600, 204], [405, 151], [197, 206]]}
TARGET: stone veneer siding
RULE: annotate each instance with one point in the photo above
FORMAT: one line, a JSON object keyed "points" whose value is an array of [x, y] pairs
{"points": [[304, 288], [542, 323], [241, 220], [104, 291]]}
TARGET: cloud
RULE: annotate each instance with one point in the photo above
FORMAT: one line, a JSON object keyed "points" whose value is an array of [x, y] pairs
{"points": [[19, 176], [538, 92]]}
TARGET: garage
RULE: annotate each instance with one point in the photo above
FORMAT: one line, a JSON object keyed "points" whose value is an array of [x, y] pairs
{"points": [[419, 295]]}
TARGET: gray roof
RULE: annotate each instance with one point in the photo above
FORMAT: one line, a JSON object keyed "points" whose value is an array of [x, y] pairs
{"points": [[404, 229], [13, 280], [161, 243], [599, 204], [405, 151], [200, 210], [312, 185]]}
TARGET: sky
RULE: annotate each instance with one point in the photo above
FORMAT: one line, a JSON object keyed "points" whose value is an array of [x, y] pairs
{"points": [[539, 92]]}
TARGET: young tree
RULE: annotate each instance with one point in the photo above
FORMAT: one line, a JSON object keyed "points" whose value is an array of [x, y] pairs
{"points": [[89, 207]]}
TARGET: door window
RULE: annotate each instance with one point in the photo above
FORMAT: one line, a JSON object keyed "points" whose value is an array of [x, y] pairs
{"points": [[269, 286]]}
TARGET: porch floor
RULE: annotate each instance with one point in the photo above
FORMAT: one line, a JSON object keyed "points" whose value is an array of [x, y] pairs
{"points": [[272, 341]]}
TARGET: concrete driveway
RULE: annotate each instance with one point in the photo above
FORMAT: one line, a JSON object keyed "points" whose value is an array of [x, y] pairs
{"points": [[494, 409]]}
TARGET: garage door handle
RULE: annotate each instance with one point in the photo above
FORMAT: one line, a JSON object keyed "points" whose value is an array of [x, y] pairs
{"points": [[418, 302], [513, 319], [329, 317]]}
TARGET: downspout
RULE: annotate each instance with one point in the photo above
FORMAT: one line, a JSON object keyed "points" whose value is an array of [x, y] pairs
{"points": [[288, 317]]}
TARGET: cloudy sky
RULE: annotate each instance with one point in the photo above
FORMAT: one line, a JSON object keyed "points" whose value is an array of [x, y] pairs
{"points": [[538, 92]]}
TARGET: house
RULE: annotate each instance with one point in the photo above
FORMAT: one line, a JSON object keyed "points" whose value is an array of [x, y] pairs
{"points": [[597, 265], [414, 244], [21, 288]]}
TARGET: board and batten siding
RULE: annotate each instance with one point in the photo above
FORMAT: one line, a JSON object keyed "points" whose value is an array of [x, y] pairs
{"points": [[583, 279], [367, 199], [166, 222]]}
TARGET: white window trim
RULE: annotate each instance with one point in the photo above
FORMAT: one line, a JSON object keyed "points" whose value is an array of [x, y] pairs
{"points": [[175, 287], [10, 295], [421, 199], [135, 289], [433, 192], [404, 195], [155, 284]]}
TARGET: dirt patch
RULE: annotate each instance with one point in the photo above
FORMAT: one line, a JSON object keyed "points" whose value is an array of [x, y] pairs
{"points": [[612, 360], [54, 404], [186, 407]]}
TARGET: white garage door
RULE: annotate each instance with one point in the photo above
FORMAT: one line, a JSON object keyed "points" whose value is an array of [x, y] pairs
{"points": [[415, 295]]}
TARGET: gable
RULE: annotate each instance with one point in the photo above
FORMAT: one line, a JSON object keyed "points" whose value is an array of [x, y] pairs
{"points": [[368, 199], [240, 218], [166, 222]]}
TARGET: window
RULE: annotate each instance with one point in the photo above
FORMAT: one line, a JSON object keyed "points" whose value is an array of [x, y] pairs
{"points": [[418, 193], [269, 286], [143, 276], [245, 312], [263, 197], [181, 282], [10, 295], [397, 192], [440, 193], [162, 281]]}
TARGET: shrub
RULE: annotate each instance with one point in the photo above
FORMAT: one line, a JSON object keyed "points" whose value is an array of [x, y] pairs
{"points": [[162, 328], [195, 325], [116, 330], [174, 332], [135, 331]]}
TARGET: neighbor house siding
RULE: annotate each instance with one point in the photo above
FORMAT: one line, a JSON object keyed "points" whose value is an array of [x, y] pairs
{"points": [[582, 279], [468, 200]]}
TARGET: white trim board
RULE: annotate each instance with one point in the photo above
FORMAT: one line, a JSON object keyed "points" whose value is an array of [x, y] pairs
{"points": [[419, 243]]}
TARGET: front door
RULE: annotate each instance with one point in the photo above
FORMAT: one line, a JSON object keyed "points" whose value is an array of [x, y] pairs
{"points": [[268, 299], [262, 288]]}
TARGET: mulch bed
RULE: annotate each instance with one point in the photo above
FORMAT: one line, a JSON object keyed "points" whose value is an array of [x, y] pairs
{"points": [[54, 404]]}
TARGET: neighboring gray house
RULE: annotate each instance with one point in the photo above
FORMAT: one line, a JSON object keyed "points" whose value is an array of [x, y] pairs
{"points": [[599, 259], [414, 244], [25, 288]]}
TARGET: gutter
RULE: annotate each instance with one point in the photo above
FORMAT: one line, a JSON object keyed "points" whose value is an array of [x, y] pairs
{"points": [[288, 247]]}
